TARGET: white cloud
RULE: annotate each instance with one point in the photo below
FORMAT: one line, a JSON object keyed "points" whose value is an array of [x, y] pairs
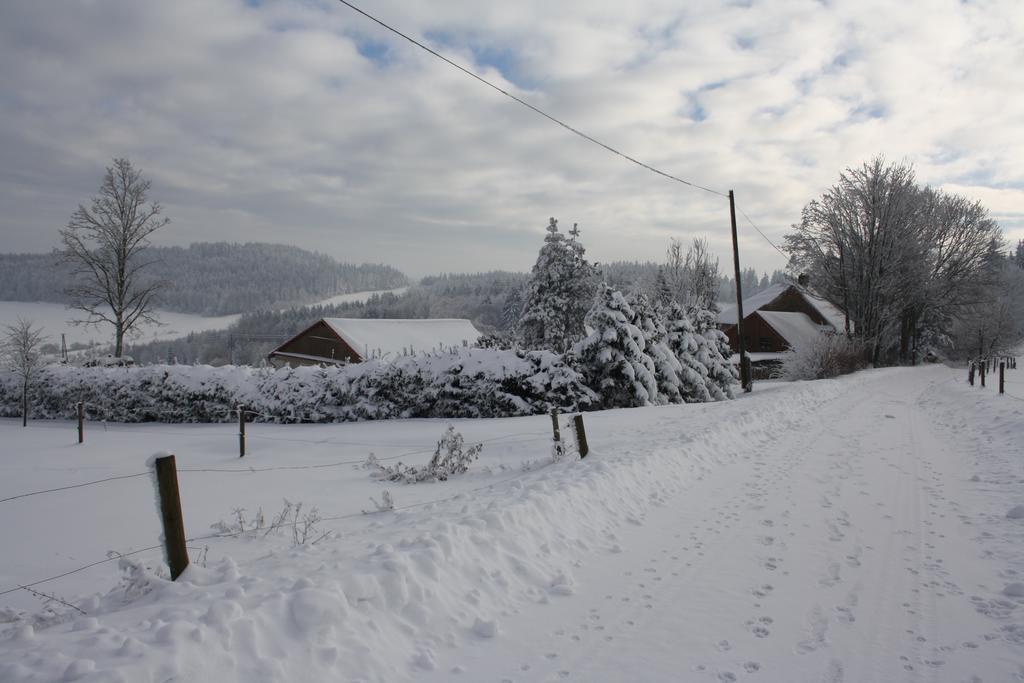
{"points": [[265, 122]]}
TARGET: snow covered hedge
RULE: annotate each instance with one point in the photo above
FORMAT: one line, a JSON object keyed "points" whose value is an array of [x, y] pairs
{"points": [[463, 383]]}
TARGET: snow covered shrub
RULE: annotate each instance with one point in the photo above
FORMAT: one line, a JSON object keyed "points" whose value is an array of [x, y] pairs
{"points": [[463, 382], [449, 459], [303, 527], [612, 356], [385, 504], [240, 526], [829, 355]]}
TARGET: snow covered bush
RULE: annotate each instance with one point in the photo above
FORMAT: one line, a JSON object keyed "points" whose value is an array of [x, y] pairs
{"points": [[457, 383], [829, 355], [449, 459]]}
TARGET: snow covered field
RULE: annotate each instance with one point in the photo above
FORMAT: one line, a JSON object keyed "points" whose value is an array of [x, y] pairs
{"points": [[54, 319], [848, 530]]}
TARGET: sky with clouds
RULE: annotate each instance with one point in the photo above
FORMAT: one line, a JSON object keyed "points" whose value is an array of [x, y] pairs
{"points": [[302, 122]]}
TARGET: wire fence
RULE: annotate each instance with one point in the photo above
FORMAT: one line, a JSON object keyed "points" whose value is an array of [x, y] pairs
{"points": [[517, 438]]}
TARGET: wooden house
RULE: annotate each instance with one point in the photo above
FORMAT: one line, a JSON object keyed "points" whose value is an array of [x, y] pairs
{"points": [[337, 341], [779, 318]]}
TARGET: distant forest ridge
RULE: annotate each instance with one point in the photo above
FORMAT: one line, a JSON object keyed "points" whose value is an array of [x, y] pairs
{"points": [[214, 278]]}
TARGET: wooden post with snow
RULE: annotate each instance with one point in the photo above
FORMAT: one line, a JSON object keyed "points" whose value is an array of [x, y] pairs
{"points": [[554, 424], [984, 364], [556, 434], [170, 512], [80, 410], [1002, 366], [970, 374], [581, 436], [241, 431]]}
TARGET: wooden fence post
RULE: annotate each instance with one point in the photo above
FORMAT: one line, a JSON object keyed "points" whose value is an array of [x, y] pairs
{"points": [[581, 436], [983, 366], [241, 431], [1001, 368], [970, 374], [556, 434], [170, 511], [80, 409]]}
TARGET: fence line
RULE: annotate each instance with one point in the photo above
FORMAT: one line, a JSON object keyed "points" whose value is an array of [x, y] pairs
{"points": [[73, 486], [286, 525], [244, 470]]}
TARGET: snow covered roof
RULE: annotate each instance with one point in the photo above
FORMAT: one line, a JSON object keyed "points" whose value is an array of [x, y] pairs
{"points": [[796, 328], [389, 339], [758, 356], [753, 303], [831, 313]]}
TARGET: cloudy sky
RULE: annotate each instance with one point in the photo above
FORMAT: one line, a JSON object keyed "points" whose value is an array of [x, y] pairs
{"points": [[300, 121]]}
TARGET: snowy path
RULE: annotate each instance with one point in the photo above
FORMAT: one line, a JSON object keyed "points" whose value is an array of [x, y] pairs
{"points": [[824, 557]]}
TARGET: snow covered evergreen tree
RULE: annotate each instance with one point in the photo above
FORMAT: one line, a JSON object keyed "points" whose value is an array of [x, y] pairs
{"points": [[612, 356], [688, 347], [722, 374], [648, 317], [559, 294]]}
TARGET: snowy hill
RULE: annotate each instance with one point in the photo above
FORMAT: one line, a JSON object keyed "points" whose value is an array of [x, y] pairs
{"points": [[846, 530], [213, 278]]}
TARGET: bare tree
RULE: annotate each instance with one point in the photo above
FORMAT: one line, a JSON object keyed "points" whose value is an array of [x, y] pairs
{"points": [[692, 277], [105, 244], [702, 274], [19, 352], [900, 259]]}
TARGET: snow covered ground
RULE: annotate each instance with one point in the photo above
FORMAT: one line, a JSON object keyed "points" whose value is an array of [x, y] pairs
{"points": [[847, 530], [54, 319]]}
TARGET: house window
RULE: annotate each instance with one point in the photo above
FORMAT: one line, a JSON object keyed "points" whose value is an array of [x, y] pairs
{"points": [[765, 343]]}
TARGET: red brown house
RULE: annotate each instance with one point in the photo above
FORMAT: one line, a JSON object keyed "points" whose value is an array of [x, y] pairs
{"points": [[779, 318], [337, 341]]}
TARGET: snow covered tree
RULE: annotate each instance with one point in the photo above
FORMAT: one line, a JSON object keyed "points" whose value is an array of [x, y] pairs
{"points": [[688, 347], [19, 352], [648, 318], [714, 355], [558, 295], [902, 260], [105, 244], [612, 356]]}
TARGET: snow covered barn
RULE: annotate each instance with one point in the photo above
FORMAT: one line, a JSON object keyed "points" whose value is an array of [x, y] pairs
{"points": [[337, 341], [779, 318]]}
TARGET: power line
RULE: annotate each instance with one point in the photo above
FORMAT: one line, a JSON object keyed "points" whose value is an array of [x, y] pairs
{"points": [[529, 106], [551, 118], [786, 256]]}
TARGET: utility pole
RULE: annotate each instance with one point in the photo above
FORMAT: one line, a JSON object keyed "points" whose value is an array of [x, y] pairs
{"points": [[745, 379]]}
